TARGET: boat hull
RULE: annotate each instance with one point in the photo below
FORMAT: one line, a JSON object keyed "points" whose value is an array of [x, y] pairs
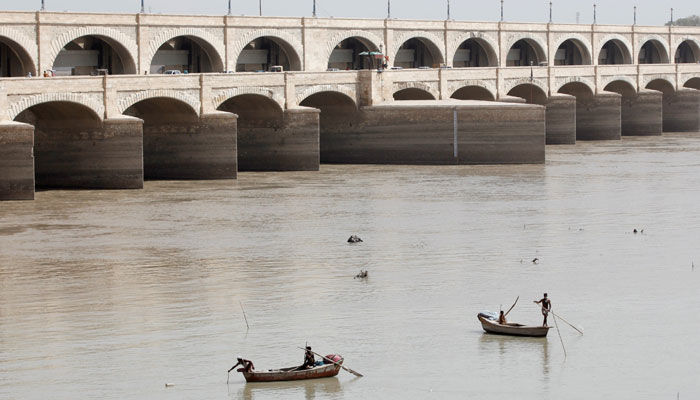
{"points": [[323, 371], [513, 330]]}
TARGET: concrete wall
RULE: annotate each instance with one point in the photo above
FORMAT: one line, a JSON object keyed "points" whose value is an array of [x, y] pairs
{"points": [[202, 150], [16, 161], [561, 119], [598, 117], [682, 111], [292, 146], [642, 114], [418, 132]]}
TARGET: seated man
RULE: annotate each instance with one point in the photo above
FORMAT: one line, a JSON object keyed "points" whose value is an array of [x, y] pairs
{"points": [[502, 319], [309, 360]]}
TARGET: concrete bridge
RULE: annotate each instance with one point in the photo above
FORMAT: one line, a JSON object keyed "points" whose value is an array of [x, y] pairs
{"points": [[111, 131]]}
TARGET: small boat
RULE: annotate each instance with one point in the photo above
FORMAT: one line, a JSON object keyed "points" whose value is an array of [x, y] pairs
{"points": [[489, 322], [325, 370]]}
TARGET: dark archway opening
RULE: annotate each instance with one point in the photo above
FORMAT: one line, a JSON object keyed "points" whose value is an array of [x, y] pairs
{"points": [[531, 93], [93, 55], [339, 117], [474, 53], [693, 83], [473, 93], [614, 52], [14, 60], [525, 52], [418, 53], [62, 157], [346, 55], [687, 53], [653, 52], [413, 94], [264, 53], [572, 52], [186, 54]]}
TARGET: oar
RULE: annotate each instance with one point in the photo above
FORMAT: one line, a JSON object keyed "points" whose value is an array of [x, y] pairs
{"points": [[554, 317], [334, 362], [578, 330], [511, 308]]}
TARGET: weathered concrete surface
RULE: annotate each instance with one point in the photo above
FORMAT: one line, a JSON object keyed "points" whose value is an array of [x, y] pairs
{"points": [[291, 145], [200, 150], [423, 133], [561, 119], [16, 161], [642, 114], [681, 111], [598, 117]]}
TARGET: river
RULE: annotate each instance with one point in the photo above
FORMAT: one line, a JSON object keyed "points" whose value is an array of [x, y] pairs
{"points": [[113, 294]]}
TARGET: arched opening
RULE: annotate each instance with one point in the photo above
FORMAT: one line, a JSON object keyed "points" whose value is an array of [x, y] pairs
{"points": [[662, 85], [94, 55], [687, 52], [418, 53], [578, 90], [167, 123], [413, 94], [572, 52], [473, 93], [525, 52], [653, 52], [14, 60], [186, 54], [531, 93], [339, 117], [693, 83], [614, 51], [623, 88], [474, 52], [62, 157], [260, 123], [266, 52], [346, 55]]}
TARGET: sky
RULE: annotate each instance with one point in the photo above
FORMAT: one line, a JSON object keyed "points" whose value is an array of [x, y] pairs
{"points": [[649, 12]]}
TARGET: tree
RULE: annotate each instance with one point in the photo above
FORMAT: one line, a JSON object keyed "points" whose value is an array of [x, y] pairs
{"points": [[693, 20]]}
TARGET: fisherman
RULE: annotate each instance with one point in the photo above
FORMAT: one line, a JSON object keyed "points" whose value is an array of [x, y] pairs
{"points": [[502, 319], [309, 360], [247, 365], [546, 306]]}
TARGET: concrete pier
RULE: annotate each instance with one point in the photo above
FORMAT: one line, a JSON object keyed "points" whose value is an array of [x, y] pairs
{"points": [[16, 161], [598, 117], [642, 114], [681, 111], [561, 119], [426, 132]]}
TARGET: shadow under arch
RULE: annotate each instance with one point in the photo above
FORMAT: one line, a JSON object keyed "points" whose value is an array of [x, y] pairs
{"points": [[688, 51], [475, 52], [692, 83], [86, 55], [186, 53], [532, 94], [473, 93], [413, 94], [614, 51], [525, 52], [16, 61], [264, 52], [653, 52], [346, 54], [418, 52], [339, 115], [572, 52]]}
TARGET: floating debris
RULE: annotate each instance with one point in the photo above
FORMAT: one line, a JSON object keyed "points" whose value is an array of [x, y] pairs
{"points": [[535, 260], [361, 275], [355, 239]]}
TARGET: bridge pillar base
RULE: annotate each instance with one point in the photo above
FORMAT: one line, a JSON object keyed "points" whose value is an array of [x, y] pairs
{"points": [[201, 151], [599, 117], [642, 115], [16, 161], [561, 119], [292, 147], [682, 111]]}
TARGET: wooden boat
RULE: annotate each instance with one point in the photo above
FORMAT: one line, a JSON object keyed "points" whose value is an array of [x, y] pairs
{"points": [[511, 329], [294, 373]]}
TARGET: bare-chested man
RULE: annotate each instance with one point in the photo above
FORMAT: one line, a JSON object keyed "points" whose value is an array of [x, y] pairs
{"points": [[546, 305]]}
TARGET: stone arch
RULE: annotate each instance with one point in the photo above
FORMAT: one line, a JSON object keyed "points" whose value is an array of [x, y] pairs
{"points": [[23, 42], [694, 47], [563, 82], [623, 42], [213, 46], [490, 88], [287, 38], [489, 45], [692, 83], [134, 98], [125, 45], [413, 93], [227, 94], [537, 82], [372, 41], [532, 94], [429, 39], [94, 105], [473, 92], [660, 83], [535, 41], [646, 80], [343, 89], [417, 85], [583, 44], [621, 78], [656, 39]]}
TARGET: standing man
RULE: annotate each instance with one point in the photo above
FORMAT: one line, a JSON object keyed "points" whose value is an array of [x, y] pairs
{"points": [[546, 305]]}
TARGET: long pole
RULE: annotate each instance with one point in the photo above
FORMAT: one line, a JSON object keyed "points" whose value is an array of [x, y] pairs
{"points": [[671, 16], [501, 10], [388, 9], [577, 330], [229, 7], [635, 15], [43, 5], [244, 316], [260, 6], [314, 11], [559, 332], [359, 375], [595, 16], [550, 12]]}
